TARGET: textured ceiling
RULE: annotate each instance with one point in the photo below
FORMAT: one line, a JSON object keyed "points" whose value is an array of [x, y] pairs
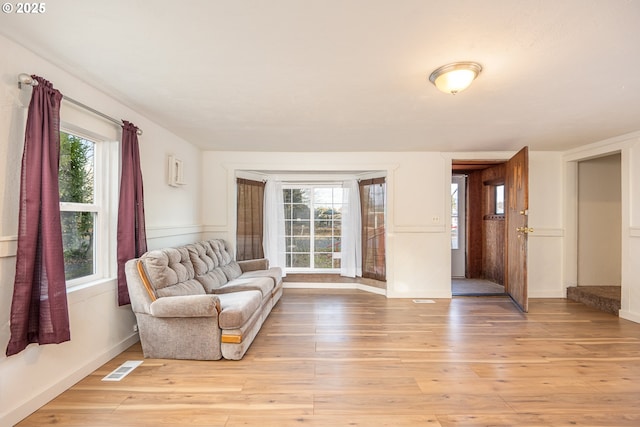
{"points": [[328, 75]]}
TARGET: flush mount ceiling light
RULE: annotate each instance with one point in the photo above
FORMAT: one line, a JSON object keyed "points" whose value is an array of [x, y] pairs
{"points": [[455, 77]]}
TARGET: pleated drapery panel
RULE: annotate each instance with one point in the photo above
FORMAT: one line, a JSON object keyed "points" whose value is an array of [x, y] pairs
{"points": [[273, 240], [250, 225], [39, 312], [372, 197], [132, 237], [351, 233]]}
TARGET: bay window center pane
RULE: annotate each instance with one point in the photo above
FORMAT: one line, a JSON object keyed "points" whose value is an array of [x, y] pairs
{"points": [[313, 242]]}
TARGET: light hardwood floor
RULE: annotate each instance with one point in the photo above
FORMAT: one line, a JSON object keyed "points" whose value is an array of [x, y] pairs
{"points": [[350, 358], [475, 287]]}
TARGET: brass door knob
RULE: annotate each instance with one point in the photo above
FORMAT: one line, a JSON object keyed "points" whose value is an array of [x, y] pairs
{"points": [[525, 230]]}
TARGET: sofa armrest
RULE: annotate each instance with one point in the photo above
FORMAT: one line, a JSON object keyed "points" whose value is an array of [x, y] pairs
{"points": [[186, 306], [254, 264]]}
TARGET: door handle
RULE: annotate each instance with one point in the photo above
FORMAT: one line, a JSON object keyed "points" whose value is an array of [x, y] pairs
{"points": [[525, 230]]}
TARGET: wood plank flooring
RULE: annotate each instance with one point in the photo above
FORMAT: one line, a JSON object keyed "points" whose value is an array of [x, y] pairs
{"points": [[350, 358], [475, 287]]}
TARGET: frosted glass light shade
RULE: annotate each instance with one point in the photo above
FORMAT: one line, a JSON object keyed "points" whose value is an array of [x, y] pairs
{"points": [[456, 77]]}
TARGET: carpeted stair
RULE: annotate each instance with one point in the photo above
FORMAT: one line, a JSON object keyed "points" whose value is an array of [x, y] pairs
{"points": [[603, 298]]}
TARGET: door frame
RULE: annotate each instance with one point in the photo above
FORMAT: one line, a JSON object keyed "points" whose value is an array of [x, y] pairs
{"points": [[474, 157], [621, 145], [462, 226]]}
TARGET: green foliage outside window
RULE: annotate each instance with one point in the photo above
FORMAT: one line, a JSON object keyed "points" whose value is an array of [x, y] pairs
{"points": [[313, 222], [76, 185]]}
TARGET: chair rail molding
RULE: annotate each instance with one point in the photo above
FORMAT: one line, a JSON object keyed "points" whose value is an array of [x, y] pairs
{"points": [[8, 246]]}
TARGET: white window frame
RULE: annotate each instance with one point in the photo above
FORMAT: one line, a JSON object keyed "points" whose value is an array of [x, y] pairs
{"points": [[312, 220], [104, 206], [455, 236]]}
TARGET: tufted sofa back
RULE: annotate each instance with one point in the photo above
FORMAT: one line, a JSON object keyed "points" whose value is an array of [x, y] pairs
{"points": [[193, 269]]}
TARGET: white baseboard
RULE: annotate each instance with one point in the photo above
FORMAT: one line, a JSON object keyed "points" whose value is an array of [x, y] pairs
{"points": [[33, 404], [323, 285], [374, 290], [548, 294], [629, 315]]}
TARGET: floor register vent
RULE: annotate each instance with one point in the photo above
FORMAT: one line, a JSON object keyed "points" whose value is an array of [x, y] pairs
{"points": [[123, 370]]}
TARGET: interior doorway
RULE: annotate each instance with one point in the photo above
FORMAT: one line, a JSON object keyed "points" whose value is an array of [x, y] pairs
{"points": [[600, 221], [599, 233], [477, 228], [497, 225]]}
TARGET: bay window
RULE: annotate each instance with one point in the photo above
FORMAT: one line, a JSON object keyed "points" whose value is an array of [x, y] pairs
{"points": [[313, 224]]}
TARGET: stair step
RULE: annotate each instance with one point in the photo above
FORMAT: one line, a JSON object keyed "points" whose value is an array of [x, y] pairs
{"points": [[603, 298]]}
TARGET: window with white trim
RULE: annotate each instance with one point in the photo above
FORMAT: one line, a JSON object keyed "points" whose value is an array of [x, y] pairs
{"points": [[85, 180], [313, 225]]}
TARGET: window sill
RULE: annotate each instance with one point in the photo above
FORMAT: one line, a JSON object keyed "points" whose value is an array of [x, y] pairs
{"points": [[313, 271], [317, 277]]}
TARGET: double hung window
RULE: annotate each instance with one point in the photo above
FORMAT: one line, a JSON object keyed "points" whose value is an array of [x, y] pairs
{"points": [[313, 225], [84, 207]]}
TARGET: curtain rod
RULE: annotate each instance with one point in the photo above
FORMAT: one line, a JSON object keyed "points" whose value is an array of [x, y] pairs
{"points": [[26, 79]]}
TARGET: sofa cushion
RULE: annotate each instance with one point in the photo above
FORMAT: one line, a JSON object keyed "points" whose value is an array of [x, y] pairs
{"points": [[219, 250], [237, 308], [274, 272], [231, 270], [212, 280], [188, 287], [254, 264], [263, 284], [202, 258], [170, 272]]}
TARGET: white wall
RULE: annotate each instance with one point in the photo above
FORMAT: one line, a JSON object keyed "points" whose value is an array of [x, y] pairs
{"points": [[417, 244], [546, 243], [99, 328], [631, 231], [629, 148], [418, 220], [599, 221]]}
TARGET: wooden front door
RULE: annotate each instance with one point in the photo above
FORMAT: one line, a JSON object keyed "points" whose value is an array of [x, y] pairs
{"points": [[517, 227]]}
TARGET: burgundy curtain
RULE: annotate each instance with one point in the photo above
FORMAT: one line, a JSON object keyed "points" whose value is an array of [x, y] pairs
{"points": [[132, 238], [39, 312], [250, 222], [372, 200]]}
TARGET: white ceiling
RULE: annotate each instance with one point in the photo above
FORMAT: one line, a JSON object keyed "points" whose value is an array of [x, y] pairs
{"points": [[352, 75]]}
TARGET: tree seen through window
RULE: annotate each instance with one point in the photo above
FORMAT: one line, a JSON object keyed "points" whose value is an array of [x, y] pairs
{"points": [[76, 179], [313, 226]]}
